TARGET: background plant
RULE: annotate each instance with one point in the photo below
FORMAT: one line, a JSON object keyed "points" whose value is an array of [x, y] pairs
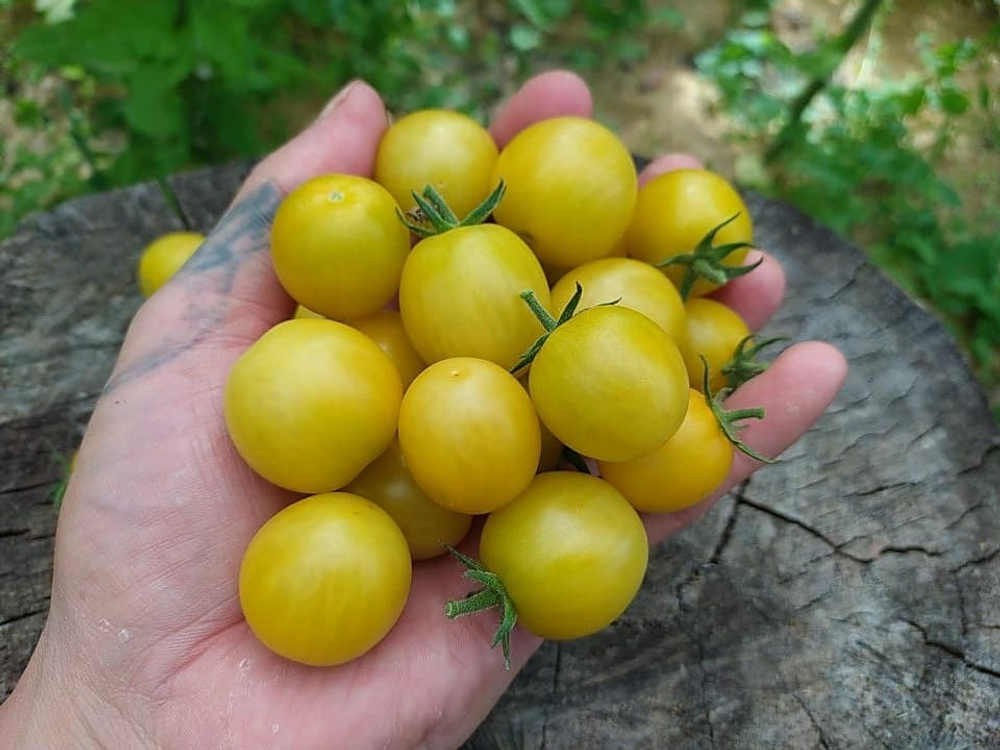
{"points": [[850, 157], [131, 91]]}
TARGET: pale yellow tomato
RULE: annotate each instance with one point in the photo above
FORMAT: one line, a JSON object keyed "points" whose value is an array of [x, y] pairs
{"points": [[427, 526], [610, 384], [571, 189], [683, 471], [676, 210], [312, 403], [325, 579], [386, 329], [338, 246], [713, 332], [164, 257], [637, 285], [469, 434], [445, 149]]}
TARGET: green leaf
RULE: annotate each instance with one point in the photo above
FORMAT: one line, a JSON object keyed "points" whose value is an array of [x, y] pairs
{"points": [[524, 38], [154, 106], [953, 101]]}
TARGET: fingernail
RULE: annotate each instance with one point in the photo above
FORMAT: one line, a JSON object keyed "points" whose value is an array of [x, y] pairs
{"points": [[334, 104]]}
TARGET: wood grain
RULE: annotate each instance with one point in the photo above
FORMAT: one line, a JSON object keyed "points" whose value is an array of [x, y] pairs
{"points": [[845, 598]]}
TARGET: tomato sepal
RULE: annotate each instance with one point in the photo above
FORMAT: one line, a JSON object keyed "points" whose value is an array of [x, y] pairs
{"points": [[492, 594], [433, 209], [705, 261], [728, 419], [744, 366]]}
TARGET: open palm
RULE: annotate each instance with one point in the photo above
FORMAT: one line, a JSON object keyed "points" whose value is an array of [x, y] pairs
{"points": [[145, 629]]}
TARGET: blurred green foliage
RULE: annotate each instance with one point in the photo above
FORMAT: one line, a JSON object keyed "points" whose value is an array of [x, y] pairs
{"points": [[131, 91], [851, 159], [100, 93]]}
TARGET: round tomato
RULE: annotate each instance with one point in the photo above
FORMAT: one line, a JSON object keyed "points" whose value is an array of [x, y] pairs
{"points": [[459, 295], [325, 579], [683, 471], [469, 434], [571, 553], [713, 331], [610, 384], [638, 285], [571, 188], [311, 403], [426, 525], [164, 257], [676, 210], [446, 149], [338, 246], [385, 328]]}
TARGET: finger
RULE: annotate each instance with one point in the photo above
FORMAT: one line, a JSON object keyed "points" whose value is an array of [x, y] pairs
{"points": [[228, 290], [668, 163], [758, 295], [553, 94], [794, 391]]}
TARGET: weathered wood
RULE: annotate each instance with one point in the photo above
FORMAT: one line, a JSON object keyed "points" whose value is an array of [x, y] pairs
{"points": [[842, 599]]}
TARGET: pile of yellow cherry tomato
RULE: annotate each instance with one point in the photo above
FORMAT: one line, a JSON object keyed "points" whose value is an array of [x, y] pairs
{"points": [[521, 334]]}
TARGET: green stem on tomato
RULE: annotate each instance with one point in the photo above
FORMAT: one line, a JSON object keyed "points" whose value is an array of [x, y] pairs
{"points": [[491, 594], [706, 261], [728, 419], [743, 365], [434, 210]]}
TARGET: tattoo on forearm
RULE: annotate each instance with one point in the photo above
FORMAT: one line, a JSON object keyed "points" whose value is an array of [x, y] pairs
{"points": [[240, 234]]}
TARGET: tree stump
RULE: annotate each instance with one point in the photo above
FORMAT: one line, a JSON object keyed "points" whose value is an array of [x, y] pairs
{"points": [[845, 598]]}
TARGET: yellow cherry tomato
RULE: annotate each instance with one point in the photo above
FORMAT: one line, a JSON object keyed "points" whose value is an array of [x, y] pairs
{"points": [[325, 579], [438, 147], [638, 285], [570, 551], [676, 210], [610, 384], [385, 328], [164, 257], [311, 403], [683, 471], [459, 295], [469, 434], [338, 246], [571, 189], [713, 330], [427, 526]]}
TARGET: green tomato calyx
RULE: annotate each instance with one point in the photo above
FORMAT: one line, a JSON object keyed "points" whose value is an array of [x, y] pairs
{"points": [[492, 594], [705, 261], [548, 322], [434, 210], [744, 366], [728, 419]]}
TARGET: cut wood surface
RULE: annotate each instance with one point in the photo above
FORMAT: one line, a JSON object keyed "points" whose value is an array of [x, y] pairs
{"points": [[845, 598]]}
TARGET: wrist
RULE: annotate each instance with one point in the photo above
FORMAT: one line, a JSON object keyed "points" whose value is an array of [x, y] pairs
{"points": [[53, 706]]}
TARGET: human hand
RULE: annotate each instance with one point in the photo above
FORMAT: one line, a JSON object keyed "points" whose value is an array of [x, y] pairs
{"points": [[145, 644]]}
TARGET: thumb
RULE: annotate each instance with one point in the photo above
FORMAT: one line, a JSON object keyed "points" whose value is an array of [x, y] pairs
{"points": [[227, 293]]}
